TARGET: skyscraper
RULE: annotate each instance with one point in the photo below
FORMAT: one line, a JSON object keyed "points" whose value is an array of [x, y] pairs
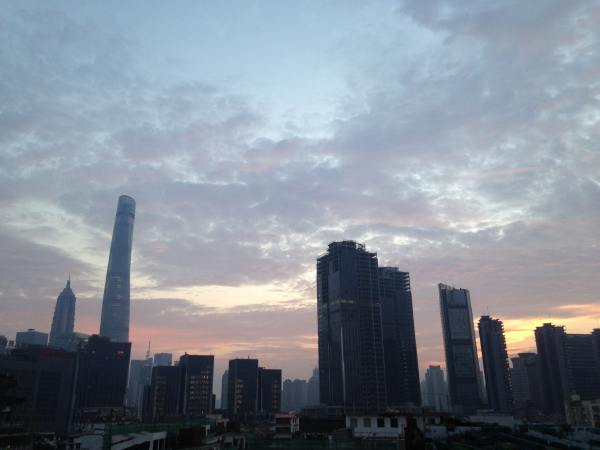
{"points": [[435, 391], [525, 383], [63, 321], [495, 364], [224, 390], [269, 391], [115, 304], [351, 360], [583, 369], [460, 349], [550, 342], [163, 359], [196, 384], [399, 343], [243, 387]]}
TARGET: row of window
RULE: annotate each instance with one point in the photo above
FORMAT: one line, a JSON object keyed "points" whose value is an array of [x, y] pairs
{"points": [[380, 422]]}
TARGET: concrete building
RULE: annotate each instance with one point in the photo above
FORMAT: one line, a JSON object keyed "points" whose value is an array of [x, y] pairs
{"points": [[462, 364], [526, 385], [243, 387], [196, 384], [224, 390], [269, 391], [435, 390], [31, 337], [495, 364]]}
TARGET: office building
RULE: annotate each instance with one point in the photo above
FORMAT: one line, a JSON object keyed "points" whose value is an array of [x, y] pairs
{"points": [[163, 359], [243, 387], [495, 364], [224, 390], [114, 323], [351, 360], [102, 368], [435, 391], [526, 385], [312, 388], [462, 364], [63, 320], [44, 378], [583, 370], [399, 342], [164, 394], [196, 385], [550, 343], [269, 391], [31, 337], [140, 375]]}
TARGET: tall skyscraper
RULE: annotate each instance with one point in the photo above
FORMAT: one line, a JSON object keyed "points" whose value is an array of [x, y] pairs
{"points": [[583, 370], [461, 351], [164, 393], [196, 384], [224, 390], [525, 382], [63, 321], [495, 364], [435, 391], [269, 391], [399, 343], [351, 360], [115, 304], [243, 387], [550, 342], [312, 388]]}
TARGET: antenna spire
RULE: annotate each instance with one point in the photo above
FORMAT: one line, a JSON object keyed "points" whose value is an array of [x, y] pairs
{"points": [[148, 351]]}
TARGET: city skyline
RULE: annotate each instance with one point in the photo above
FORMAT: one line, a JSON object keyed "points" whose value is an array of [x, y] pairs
{"points": [[417, 138]]}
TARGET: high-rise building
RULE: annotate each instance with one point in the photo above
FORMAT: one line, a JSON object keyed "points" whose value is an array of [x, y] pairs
{"points": [[31, 337], [243, 387], [140, 375], [435, 392], [102, 368], [351, 360], [44, 380], [115, 304], [224, 390], [583, 370], [399, 342], [196, 384], [550, 343], [462, 363], [164, 394], [495, 364], [294, 395], [63, 321], [163, 359], [312, 388], [269, 391], [525, 382]]}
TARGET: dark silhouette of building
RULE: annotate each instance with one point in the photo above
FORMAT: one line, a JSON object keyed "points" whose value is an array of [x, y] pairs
{"points": [[312, 388], [351, 360], [196, 384], [526, 385], [31, 337], [63, 321], [495, 364], [140, 375], [224, 390], [243, 387], [115, 304], [550, 343], [399, 342], [102, 368], [435, 391], [583, 370], [45, 378], [164, 394], [462, 364], [269, 391], [163, 359]]}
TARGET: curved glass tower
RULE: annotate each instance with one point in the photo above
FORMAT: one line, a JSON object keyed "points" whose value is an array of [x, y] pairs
{"points": [[115, 305]]}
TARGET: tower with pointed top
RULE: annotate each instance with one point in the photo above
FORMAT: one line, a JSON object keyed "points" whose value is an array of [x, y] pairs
{"points": [[63, 321], [115, 304]]}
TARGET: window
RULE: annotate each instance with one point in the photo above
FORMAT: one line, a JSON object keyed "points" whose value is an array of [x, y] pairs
{"points": [[380, 422], [394, 422], [367, 422], [353, 422]]}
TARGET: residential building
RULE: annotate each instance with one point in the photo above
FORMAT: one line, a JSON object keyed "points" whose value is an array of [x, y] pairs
{"points": [[495, 364], [526, 385], [435, 391], [550, 343]]}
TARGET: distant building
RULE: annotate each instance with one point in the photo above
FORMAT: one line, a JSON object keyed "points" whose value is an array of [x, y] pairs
{"points": [[163, 359], [196, 384], [164, 395], [63, 321], [399, 342], [114, 323], [102, 368], [140, 375], [526, 385], [269, 392], [435, 391], [462, 363], [243, 387], [224, 390], [31, 337], [70, 341], [351, 358], [583, 369], [550, 342], [45, 378], [583, 413], [294, 395], [495, 364], [312, 389]]}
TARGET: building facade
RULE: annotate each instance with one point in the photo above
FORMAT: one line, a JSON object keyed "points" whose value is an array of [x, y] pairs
{"points": [[462, 364], [63, 320], [243, 387], [196, 384], [114, 323], [550, 343], [31, 337], [435, 391], [399, 342], [495, 364], [351, 359], [269, 392], [526, 385], [163, 359]]}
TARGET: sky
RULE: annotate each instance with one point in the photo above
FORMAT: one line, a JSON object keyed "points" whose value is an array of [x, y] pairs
{"points": [[458, 140]]}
